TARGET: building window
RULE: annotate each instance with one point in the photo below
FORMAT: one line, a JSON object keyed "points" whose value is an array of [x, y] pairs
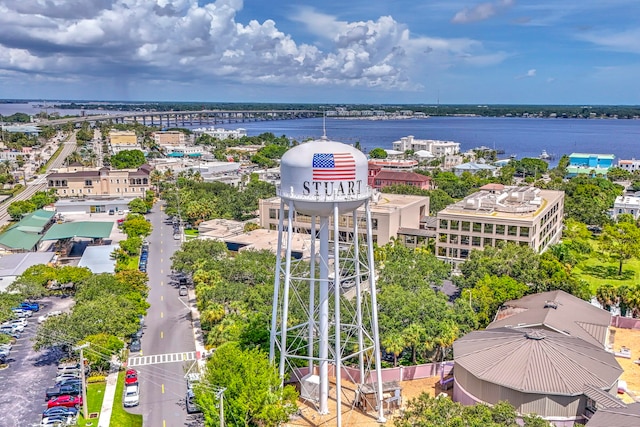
{"points": [[118, 190], [88, 183], [500, 229], [145, 181], [88, 190], [444, 224], [477, 227], [443, 237], [455, 224], [513, 230], [453, 238], [124, 180], [454, 252], [464, 240], [50, 183], [273, 214], [72, 191], [464, 253], [487, 242], [117, 181], [64, 183], [466, 226], [524, 231], [475, 241], [488, 228], [442, 251], [374, 223]]}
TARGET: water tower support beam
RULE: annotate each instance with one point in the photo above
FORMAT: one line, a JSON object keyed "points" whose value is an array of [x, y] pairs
{"points": [[324, 316], [312, 291], [356, 256], [374, 313], [276, 290], [336, 309], [285, 292]]}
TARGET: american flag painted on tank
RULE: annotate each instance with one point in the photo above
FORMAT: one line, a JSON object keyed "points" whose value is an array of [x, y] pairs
{"points": [[334, 167]]}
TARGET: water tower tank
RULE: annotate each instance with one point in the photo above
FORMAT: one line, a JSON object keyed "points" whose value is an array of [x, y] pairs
{"points": [[318, 173]]}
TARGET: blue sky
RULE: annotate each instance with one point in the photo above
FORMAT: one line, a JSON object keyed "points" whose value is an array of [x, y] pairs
{"points": [[356, 51]]}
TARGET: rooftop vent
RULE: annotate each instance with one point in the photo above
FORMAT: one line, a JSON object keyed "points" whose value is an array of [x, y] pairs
{"points": [[550, 304], [535, 335]]}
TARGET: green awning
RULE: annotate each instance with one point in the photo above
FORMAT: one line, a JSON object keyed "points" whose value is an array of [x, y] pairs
{"points": [[86, 229]]}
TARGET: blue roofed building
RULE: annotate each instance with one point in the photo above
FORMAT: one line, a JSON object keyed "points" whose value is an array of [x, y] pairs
{"points": [[589, 164]]}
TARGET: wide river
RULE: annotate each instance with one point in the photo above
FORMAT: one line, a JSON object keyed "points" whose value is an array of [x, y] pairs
{"points": [[516, 136]]}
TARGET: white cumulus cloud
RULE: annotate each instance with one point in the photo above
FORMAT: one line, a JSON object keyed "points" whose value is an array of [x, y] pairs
{"points": [[481, 11]]}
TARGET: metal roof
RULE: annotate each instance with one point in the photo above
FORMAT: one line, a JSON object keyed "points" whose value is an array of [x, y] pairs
{"points": [[87, 229], [25, 235], [16, 264], [556, 310], [98, 259], [536, 361], [603, 398], [628, 416]]}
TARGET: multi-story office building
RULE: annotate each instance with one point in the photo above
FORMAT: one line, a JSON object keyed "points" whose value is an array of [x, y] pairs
{"points": [[392, 216], [80, 181], [496, 214], [220, 133]]}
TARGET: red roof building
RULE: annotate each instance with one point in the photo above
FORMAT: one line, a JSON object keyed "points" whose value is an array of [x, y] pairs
{"points": [[380, 178]]}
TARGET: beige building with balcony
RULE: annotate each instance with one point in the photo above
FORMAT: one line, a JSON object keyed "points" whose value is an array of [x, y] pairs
{"points": [[392, 216], [80, 181], [496, 214]]}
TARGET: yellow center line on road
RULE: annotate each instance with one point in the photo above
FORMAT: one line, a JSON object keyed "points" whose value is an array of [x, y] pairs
{"points": [[162, 388], [161, 283], [161, 334], [164, 423], [161, 297], [161, 314]]}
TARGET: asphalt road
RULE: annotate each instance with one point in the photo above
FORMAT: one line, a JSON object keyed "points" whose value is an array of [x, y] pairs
{"points": [[167, 329], [30, 373]]}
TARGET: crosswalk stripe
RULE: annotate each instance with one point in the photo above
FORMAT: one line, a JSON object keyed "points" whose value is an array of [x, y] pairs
{"points": [[157, 359]]}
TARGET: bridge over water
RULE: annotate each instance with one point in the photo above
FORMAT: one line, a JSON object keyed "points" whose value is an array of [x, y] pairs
{"points": [[190, 118]]}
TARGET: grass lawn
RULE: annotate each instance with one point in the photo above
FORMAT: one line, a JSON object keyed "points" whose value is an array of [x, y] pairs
{"points": [[95, 394], [598, 270], [191, 234], [120, 417]]}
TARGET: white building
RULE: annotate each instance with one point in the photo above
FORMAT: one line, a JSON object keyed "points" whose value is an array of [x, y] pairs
{"points": [[436, 147], [220, 133], [629, 165], [626, 205]]}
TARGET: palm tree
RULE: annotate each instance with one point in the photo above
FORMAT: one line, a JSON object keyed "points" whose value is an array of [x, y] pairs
{"points": [[155, 178], [412, 335], [607, 295], [394, 344]]}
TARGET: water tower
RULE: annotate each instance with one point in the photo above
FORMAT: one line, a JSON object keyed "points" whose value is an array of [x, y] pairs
{"points": [[324, 307]]}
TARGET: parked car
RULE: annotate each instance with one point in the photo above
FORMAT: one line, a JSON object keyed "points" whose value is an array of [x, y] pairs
{"points": [[44, 317], [135, 345], [58, 410], [66, 400], [27, 305], [131, 377], [192, 407], [20, 312], [69, 389], [69, 381], [57, 421], [112, 212], [183, 292], [68, 376], [131, 396]]}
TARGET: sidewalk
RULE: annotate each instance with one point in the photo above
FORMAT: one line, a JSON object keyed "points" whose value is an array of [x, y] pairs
{"points": [[197, 330], [109, 396]]}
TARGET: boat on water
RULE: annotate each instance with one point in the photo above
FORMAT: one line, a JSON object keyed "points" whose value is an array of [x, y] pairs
{"points": [[545, 156]]}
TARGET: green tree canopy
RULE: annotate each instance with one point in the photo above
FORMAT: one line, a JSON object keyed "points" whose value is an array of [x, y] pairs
{"points": [[253, 393], [128, 159], [621, 241], [378, 153]]}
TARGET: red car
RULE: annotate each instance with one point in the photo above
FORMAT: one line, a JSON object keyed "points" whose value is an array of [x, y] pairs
{"points": [[131, 377], [66, 400]]}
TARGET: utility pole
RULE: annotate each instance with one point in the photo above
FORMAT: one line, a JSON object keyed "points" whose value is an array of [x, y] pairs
{"points": [[82, 380], [221, 401]]}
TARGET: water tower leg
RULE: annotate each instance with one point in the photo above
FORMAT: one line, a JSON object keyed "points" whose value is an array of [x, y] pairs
{"points": [[338, 325], [276, 290], [312, 291], [324, 316], [374, 313], [285, 293], [356, 256]]}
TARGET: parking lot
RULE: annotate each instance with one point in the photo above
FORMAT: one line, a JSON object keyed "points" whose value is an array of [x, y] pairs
{"points": [[30, 373]]}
